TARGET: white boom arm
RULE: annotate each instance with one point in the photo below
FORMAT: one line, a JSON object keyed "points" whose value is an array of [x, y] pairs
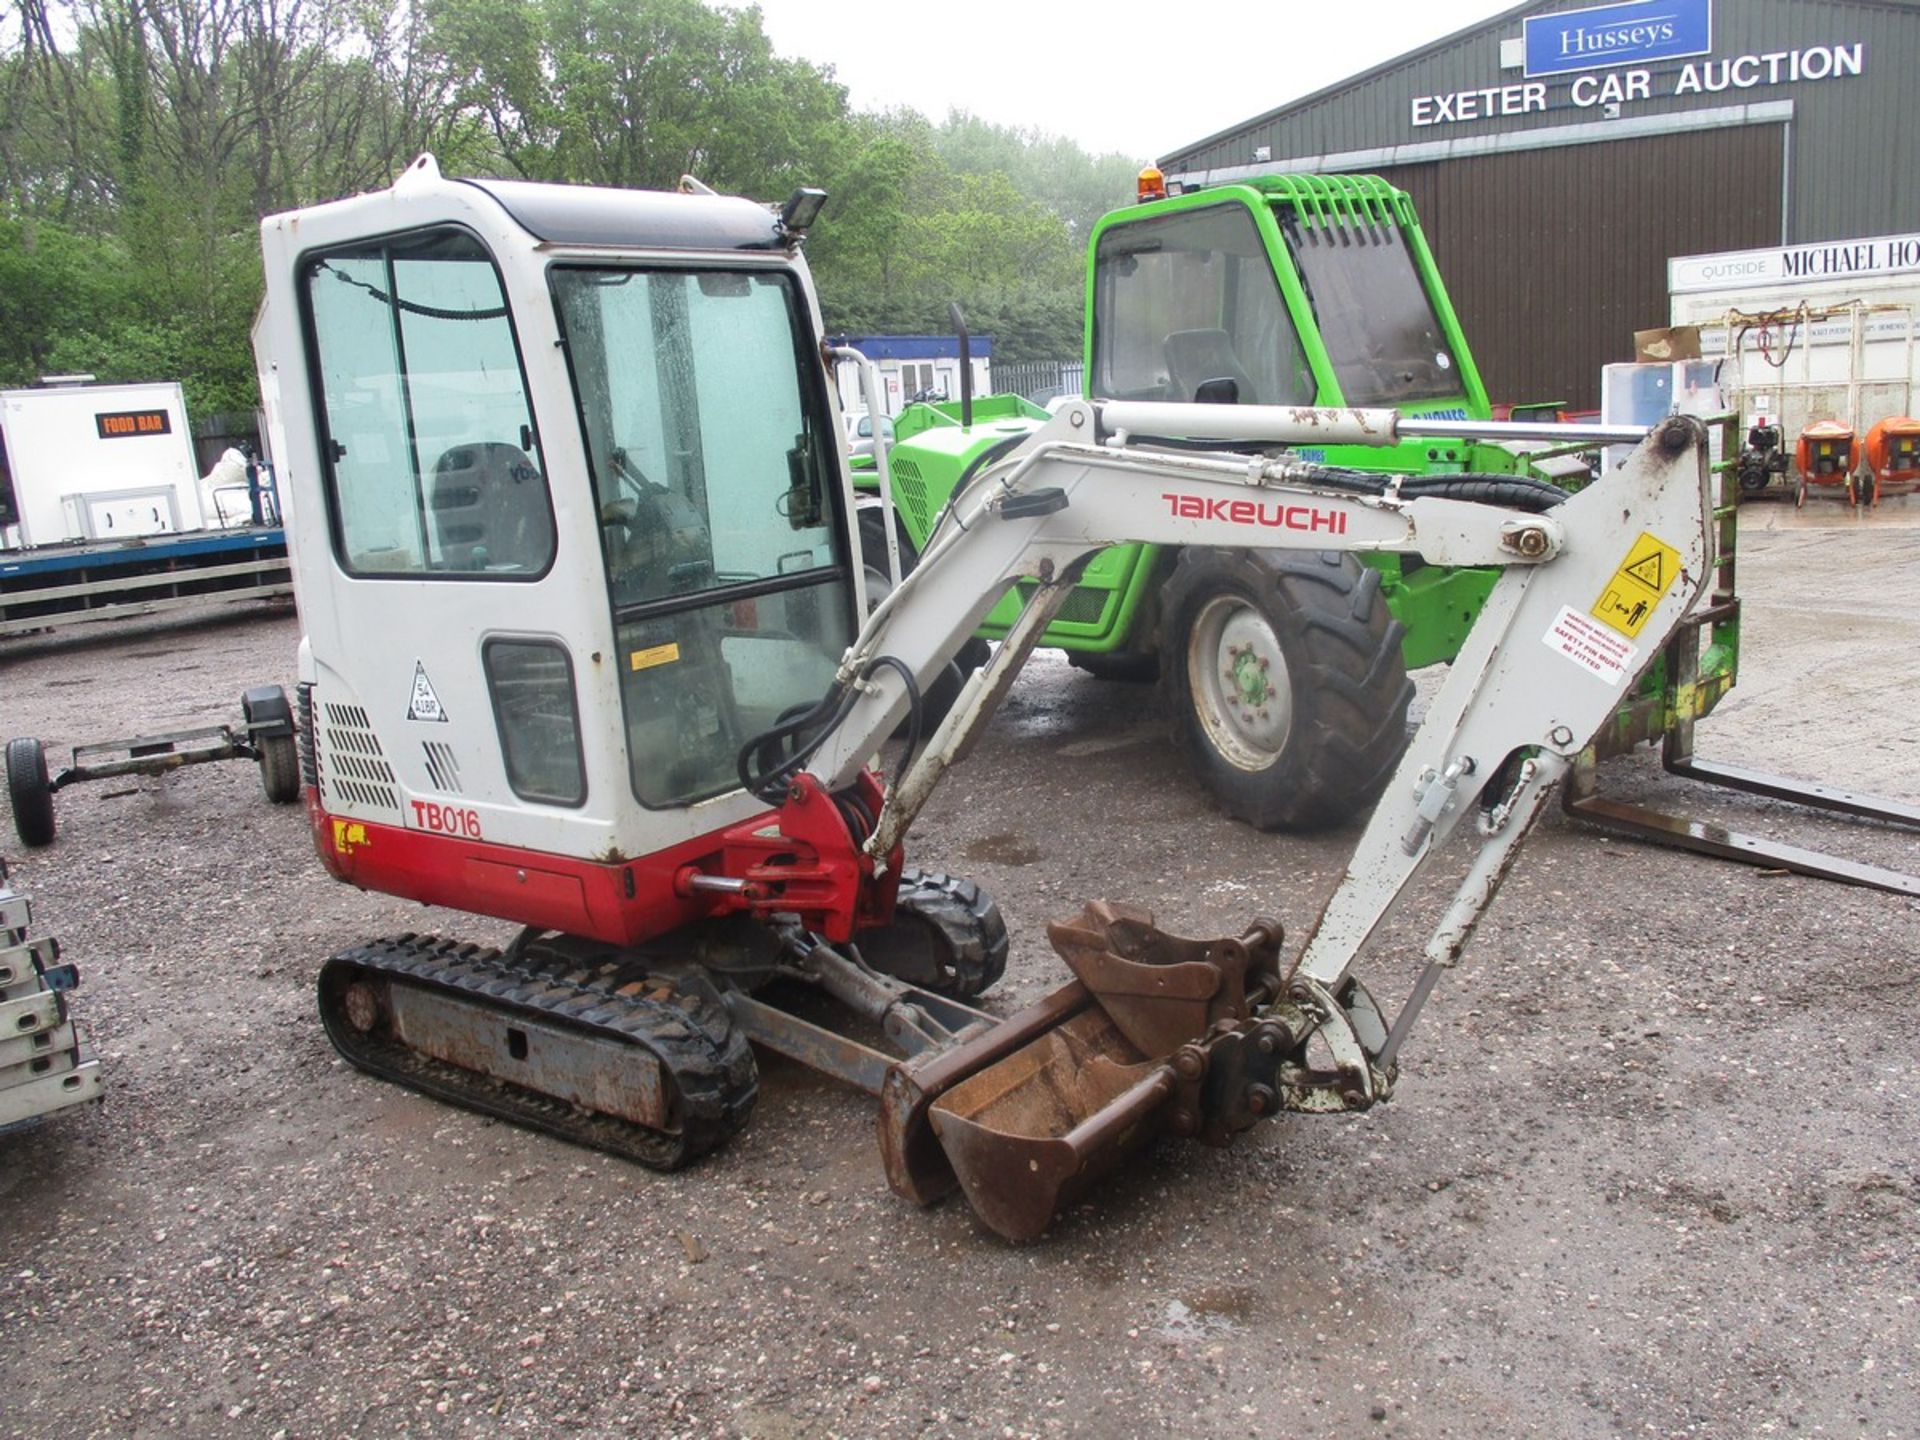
{"points": [[1593, 589]]}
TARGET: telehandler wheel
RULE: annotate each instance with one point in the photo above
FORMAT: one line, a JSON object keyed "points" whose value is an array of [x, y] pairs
{"points": [[947, 936], [279, 768], [1286, 683], [30, 791]]}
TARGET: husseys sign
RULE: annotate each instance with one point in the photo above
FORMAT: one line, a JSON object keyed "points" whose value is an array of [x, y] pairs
{"points": [[1629, 34], [1603, 57]]}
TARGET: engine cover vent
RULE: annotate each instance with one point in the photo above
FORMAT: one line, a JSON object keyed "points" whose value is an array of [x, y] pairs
{"points": [[442, 768], [353, 767]]}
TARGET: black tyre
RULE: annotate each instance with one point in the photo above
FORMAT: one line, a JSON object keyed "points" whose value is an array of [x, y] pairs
{"points": [[30, 791], [279, 768], [1286, 683], [1124, 666], [947, 936]]}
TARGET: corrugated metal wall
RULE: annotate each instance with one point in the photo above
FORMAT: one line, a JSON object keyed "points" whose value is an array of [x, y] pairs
{"points": [[1555, 257], [1855, 146]]}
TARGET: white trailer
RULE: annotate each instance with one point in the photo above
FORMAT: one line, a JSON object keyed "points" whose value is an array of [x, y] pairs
{"points": [[103, 514], [98, 462], [1803, 333]]}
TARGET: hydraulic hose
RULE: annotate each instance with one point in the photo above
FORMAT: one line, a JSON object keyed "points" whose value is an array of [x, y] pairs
{"points": [[769, 782], [1514, 492]]}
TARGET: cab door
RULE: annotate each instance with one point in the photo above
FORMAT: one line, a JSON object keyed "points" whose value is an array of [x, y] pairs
{"points": [[444, 695]]}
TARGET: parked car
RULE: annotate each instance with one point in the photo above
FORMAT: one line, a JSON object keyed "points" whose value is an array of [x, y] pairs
{"points": [[860, 433]]}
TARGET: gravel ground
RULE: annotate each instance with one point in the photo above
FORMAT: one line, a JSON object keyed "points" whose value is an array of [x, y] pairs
{"points": [[1651, 1170]]}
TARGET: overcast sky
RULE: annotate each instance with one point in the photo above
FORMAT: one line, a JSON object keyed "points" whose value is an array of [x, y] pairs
{"points": [[1140, 79]]}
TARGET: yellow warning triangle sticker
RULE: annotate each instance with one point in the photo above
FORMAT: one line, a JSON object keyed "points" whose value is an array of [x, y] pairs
{"points": [[1645, 575], [1647, 569]]}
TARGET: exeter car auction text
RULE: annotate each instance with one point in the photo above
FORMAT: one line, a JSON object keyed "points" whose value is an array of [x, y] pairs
{"points": [[1696, 77]]}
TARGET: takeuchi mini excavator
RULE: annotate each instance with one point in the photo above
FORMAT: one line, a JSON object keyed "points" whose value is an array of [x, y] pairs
{"points": [[589, 647]]}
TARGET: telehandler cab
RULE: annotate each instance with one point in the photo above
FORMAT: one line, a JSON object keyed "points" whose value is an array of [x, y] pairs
{"points": [[576, 552]]}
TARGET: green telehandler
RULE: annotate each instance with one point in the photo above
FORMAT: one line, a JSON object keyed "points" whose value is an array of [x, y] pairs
{"points": [[1286, 674]]}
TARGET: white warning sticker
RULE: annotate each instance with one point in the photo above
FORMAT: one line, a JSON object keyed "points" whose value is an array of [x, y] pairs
{"points": [[1593, 646], [425, 704]]}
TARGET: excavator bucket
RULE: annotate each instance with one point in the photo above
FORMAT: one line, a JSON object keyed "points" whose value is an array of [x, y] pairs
{"points": [[1025, 1117]]}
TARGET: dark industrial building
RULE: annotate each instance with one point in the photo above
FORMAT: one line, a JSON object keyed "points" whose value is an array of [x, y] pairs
{"points": [[1560, 153]]}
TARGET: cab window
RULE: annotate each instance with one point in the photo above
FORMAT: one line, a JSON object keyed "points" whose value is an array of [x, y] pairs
{"points": [[1188, 300], [703, 410], [1373, 313], [431, 458]]}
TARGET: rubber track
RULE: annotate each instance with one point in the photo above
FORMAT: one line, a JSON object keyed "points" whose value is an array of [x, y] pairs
{"points": [[708, 1063], [967, 918]]}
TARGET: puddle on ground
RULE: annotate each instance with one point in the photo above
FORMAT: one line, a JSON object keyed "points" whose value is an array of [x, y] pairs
{"points": [[1004, 849], [1206, 1314]]}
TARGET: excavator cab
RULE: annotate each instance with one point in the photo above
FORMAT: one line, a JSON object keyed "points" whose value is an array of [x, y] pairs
{"points": [[571, 540]]}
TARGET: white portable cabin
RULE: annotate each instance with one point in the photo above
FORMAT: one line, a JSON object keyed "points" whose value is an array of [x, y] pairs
{"points": [[1801, 333], [911, 364], [98, 462]]}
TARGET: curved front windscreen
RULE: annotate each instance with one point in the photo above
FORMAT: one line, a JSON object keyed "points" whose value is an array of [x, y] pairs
{"points": [[1372, 312], [702, 408]]}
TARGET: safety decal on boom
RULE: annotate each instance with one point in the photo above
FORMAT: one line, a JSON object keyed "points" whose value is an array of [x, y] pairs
{"points": [[1590, 646], [425, 705], [1637, 586]]}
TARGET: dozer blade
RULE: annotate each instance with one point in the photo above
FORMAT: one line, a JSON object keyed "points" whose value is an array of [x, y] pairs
{"points": [[1027, 1116]]}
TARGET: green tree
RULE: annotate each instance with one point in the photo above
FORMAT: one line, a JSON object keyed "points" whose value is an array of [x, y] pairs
{"points": [[141, 140], [608, 92]]}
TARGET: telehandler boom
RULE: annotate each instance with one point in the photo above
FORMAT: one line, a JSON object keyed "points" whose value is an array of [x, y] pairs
{"points": [[575, 546]]}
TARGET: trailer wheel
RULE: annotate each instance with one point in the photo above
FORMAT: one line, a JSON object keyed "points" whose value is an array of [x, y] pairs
{"points": [[279, 768], [30, 791], [1286, 683]]}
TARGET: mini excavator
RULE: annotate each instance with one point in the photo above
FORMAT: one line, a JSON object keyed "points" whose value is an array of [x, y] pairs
{"points": [[589, 647]]}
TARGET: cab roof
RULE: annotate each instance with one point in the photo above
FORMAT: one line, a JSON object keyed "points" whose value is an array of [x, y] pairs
{"points": [[649, 219]]}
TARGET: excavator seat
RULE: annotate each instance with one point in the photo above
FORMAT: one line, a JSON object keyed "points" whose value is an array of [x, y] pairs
{"points": [[489, 509]]}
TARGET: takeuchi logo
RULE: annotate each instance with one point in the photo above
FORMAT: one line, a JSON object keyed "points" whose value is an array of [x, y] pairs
{"points": [[1257, 513]]}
